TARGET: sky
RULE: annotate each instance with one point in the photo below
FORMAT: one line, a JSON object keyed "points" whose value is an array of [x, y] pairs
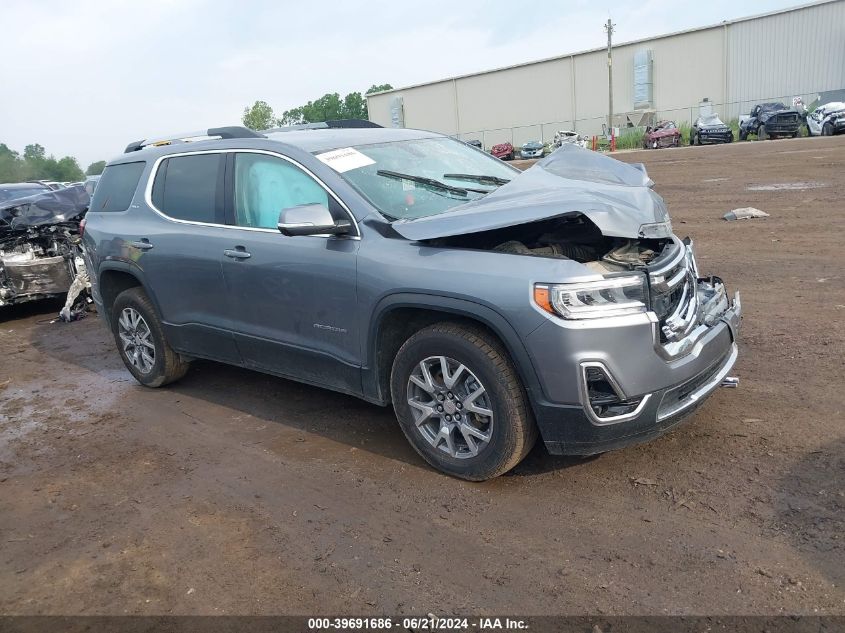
{"points": [[85, 78]]}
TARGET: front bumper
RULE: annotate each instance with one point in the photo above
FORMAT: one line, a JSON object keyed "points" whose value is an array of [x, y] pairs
{"points": [[715, 137], [668, 380]]}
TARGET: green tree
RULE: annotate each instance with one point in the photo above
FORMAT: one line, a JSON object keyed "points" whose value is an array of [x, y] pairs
{"points": [[10, 164], [329, 107], [68, 170], [34, 152], [354, 106], [375, 88], [95, 169], [259, 116], [291, 117]]}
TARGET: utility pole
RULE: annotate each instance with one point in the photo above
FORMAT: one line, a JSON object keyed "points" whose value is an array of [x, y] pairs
{"points": [[609, 28]]}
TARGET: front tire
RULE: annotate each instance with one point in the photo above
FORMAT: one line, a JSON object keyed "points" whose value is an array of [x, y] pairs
{"points": [[761, 133], [140, 340], [827, 129], [460, 402]]}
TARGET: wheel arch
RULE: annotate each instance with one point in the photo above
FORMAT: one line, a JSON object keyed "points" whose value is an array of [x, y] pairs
{"points": [[398, 316], [113, 278]]}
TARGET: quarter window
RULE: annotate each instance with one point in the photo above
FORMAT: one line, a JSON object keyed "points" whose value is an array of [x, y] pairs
{"points": [[117, 187], [264, 185], [190, 188]]}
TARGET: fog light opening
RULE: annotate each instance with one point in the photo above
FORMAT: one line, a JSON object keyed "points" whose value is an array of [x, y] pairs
{"points": [[605, 398]]}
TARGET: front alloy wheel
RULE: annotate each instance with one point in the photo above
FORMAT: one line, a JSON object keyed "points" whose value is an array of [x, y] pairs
{"points": [[136, 337], [451, 408], [460, 402]]}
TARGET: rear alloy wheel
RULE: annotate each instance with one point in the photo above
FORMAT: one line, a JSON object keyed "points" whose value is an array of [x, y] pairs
{"points": [[460, 402], [140, 340]]}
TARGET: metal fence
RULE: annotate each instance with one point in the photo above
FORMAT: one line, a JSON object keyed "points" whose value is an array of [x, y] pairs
{"points": [[595, 126]]}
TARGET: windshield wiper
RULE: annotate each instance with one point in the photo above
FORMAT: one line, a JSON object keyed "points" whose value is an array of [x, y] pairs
{"points": [[479, 178], [429, 183]]}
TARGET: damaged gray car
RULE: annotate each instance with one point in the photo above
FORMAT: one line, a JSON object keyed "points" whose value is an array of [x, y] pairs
{"points": [[488, 306], [40, 241]]}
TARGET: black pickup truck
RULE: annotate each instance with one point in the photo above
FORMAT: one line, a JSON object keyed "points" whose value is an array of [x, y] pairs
{"points": [[770, 120]]}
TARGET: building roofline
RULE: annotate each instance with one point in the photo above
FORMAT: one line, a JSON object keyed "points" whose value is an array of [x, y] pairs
{"points": [[722, 24]]}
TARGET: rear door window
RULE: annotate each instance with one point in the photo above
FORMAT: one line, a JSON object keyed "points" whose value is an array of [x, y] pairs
{"points": [[190, 188], [116, 187]]}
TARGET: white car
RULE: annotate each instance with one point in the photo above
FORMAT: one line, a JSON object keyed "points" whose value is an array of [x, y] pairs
{"points": [[827, 119], [568, 136]]}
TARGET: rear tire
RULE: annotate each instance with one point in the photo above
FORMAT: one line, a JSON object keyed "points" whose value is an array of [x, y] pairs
{"points": [[485, 427], [140, 340]]}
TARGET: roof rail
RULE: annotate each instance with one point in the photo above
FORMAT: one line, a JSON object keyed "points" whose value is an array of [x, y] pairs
{"points": [[231, 131], [323, 125]]}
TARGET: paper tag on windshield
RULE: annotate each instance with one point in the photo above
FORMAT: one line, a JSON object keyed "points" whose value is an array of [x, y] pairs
{"points": [[344, 159]]}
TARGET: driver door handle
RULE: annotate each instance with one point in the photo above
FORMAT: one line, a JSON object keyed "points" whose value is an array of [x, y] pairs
{"points": [[239, 252]]}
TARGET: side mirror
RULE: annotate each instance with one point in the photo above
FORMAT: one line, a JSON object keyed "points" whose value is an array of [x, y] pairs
{"points": [[310, 219]]}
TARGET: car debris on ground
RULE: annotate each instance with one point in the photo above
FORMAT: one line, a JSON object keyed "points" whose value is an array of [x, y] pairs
{"points": [[745, 213]]}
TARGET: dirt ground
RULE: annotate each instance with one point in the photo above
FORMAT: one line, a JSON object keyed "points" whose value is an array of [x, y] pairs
{"points": [[234, 492]]}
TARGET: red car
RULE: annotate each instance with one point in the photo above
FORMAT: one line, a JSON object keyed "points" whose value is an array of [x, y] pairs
{"points": [[504, 151], [664, 134]]}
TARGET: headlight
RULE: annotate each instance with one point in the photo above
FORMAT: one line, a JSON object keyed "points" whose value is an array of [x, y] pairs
{"points": [[611, 296], [656, 230]]}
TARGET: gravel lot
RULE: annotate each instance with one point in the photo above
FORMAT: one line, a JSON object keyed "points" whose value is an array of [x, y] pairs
{"points": [[234, 492]]}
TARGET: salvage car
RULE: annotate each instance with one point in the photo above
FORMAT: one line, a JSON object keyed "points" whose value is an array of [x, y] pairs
{"points": [[664, 134], [503, 151], [532, 149], [15, 190], [770, 120], [827, 119], [39, 242], [486, 305], [709, 128], [568, 136]]}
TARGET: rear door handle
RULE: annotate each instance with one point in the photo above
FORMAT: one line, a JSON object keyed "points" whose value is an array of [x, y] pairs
{"points": [[239, 252], [143, 244]]}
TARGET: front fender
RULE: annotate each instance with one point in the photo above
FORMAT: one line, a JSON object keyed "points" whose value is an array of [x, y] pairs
{"points": [[448, 305]]}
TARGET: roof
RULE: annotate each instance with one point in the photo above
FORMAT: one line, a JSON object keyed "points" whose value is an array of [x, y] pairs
{"points": [[22, 185], [325, 139], [311, 141], [604, 48]]}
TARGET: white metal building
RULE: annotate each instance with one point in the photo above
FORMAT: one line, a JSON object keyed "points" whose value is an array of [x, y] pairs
{"points": [[733, 65]]}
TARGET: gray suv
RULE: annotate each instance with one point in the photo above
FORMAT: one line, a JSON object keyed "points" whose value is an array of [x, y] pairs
{"points": [[487, 305]]}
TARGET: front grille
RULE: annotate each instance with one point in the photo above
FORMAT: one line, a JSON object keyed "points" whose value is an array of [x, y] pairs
{"points": [[673, 292]]}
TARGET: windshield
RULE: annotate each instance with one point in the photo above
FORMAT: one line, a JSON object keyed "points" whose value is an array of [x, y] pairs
{"points": [[711, 119], [440, 173], [14, 193]]}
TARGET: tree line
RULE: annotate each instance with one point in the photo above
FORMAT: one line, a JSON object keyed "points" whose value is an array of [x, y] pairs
{"points": [[329, 107], [34, 164]]}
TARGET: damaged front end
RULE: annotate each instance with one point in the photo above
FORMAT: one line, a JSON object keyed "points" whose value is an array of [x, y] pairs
{"points": [[635, 337], [40, 254]]}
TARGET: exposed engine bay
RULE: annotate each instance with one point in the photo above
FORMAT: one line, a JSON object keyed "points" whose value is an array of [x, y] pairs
{"points": [[40, 245], [572, 237]]}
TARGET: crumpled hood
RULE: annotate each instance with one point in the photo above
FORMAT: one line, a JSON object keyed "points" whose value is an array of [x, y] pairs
{"points": [[50, 207], [615, 196]]}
